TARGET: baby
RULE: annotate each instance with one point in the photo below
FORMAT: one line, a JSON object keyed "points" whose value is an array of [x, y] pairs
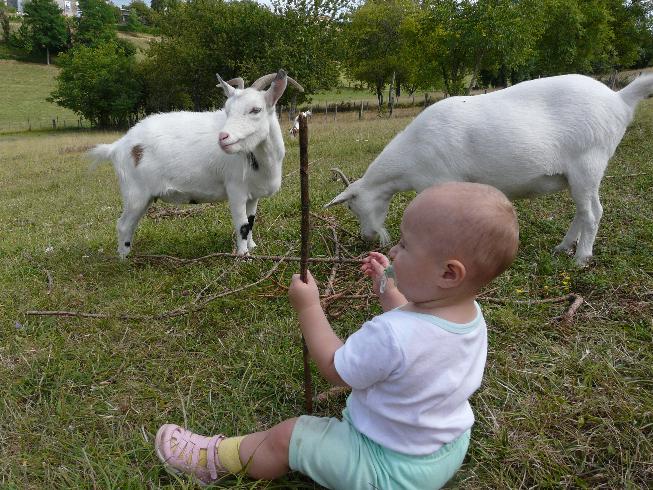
{"points": [[412, 369]]}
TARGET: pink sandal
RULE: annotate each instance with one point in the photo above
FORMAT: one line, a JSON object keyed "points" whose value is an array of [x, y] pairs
{"points": [[183, 455]]}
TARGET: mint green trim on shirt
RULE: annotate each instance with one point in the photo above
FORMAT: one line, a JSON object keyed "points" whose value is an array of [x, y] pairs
{"points": [[451, 327]]}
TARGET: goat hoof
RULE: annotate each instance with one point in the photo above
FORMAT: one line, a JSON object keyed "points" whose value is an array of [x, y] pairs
{"points": [[584, 262], [564, 249]]}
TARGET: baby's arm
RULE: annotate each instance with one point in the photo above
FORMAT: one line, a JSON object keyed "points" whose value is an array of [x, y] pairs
{"points": [[373, 266], [321, 340]]}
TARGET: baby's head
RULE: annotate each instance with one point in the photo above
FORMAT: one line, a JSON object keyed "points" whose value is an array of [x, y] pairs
{"points": [[454, 235]]}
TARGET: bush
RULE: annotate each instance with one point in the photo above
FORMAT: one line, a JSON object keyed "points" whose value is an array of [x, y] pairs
{"points": [[101, 84]]}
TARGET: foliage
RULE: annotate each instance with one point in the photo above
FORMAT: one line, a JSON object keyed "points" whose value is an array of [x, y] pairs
{"points": [[162, 6], [375, 47], [140, 15], [4, 22], [204, 37], [43, 28], [99, 83], [97, 24]]}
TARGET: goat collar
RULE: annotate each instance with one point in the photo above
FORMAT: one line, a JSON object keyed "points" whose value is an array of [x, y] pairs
{"points": [[252, 160]]}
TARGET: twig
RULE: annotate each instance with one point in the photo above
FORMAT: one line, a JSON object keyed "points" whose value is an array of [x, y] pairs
{"points": [[503, 301], [575, 300], [625, 175], [344, 230], [50, 281], [174, 212], [192, 307], [568, 316], [334, 269], [297, 170], [331, 393], [328, 260]]}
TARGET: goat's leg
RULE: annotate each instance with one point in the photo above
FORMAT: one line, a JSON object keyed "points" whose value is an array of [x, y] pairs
{"points": [[237, 205], [571, 238], [133, 211], [251, 216], [588, 214]]}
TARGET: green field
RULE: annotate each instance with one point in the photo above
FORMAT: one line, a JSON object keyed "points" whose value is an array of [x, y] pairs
{"points": [[25, 86], [561, 406]]}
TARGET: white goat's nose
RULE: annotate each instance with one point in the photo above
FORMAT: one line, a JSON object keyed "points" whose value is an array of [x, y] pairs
{"points": [[223, 136]]}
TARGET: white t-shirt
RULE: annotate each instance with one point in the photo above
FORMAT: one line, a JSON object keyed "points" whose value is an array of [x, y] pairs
{"points": [[411, 376]]}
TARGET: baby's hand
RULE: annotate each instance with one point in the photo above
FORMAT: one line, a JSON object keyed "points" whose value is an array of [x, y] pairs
{"points": [[373, 266], [303, 294]]}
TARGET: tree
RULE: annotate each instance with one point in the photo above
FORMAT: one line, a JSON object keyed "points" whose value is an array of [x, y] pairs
{"points": [[4, 22], [576, 37], [97, 23], [100, 83], [204, 37], [143, 15], [162, 6], [375, 44], [43, 28]]}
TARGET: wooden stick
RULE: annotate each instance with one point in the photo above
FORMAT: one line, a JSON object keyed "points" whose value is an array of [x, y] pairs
{"points": [[303, 264]]}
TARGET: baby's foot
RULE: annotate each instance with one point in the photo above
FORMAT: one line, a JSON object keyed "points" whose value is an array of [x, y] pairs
{"points": [[183, 451]]}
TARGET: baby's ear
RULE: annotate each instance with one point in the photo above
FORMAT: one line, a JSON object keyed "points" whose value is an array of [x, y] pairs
{"points": [[453, 274]]}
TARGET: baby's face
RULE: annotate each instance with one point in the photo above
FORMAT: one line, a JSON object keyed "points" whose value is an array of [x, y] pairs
{"points": [[414, 264]]}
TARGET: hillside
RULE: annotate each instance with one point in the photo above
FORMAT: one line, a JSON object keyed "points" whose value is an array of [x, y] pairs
{"points": [[25, 86]]}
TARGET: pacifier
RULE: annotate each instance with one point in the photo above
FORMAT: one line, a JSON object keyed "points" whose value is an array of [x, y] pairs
{"points": [[388, 273]]}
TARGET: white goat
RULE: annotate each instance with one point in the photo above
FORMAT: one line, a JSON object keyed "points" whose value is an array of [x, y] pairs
{"points": [[535, 137], [294, 131], [233, 154]]}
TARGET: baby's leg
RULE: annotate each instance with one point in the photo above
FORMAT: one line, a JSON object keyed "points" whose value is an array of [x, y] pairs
{"points": [[262, 454], [265, 454]]}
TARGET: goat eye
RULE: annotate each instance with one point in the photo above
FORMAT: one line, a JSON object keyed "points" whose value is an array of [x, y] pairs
{"points": [[255, 110]]}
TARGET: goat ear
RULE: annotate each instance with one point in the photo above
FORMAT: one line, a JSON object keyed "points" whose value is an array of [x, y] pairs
{"points": [[228, 89], [276, 90], [344, 196]]}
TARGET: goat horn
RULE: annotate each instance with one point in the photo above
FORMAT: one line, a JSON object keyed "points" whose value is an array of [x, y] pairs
{"points": [[239, 83], [297, 85], [263, 82], [339, 174]]}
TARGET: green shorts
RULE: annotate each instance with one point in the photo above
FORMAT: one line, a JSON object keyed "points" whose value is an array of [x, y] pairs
{"points": [[335, 455]]}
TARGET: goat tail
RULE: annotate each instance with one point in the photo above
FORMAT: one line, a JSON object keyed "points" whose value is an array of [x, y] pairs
{"points": [[638, 89], [100, 153]]}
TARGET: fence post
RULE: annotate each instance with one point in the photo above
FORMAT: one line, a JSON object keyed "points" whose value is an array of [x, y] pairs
{"points": [[335, 113], [360, 112], [29, 123], [54, 124]]}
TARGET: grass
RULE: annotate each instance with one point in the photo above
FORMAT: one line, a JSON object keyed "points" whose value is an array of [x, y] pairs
{"points": [[566, 406], [25, 86]]}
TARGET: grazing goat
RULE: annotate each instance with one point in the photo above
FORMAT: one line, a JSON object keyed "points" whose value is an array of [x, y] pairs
{"points": [[535, 137], [294, 131], [233, 154]]}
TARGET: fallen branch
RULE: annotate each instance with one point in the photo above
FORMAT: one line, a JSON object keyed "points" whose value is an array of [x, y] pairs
{"points": [[328, 260], [568, 316], [575, 301], [173, 212], [191, 308], [504, 301]]}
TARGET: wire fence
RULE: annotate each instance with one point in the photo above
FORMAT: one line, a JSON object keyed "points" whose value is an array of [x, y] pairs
{"points": [[44, 123]]}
